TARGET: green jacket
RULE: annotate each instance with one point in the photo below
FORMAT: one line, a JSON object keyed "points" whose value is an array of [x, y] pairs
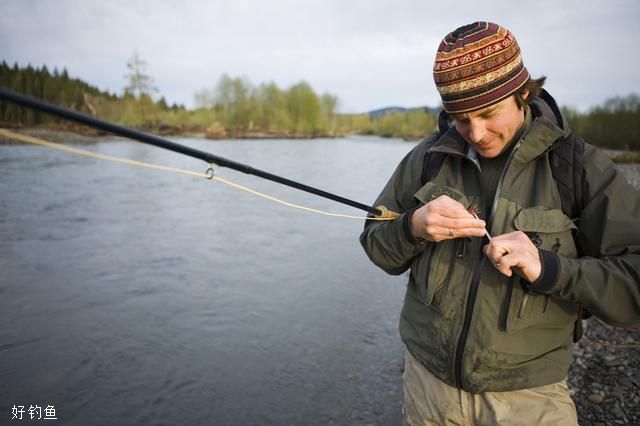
{"points": [[479, 330]]}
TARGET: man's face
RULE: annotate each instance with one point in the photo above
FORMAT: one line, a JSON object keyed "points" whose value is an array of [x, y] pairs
{"points": [[489, 130]]}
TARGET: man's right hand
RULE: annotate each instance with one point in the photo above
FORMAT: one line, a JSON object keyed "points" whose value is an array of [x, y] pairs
{"points": [[444, 219]]}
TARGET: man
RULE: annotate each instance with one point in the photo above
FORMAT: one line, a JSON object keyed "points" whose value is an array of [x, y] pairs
{"points": [[489, 323]]}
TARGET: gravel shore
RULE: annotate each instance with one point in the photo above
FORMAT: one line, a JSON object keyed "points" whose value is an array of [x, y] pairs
{"points": [[605, 375]]}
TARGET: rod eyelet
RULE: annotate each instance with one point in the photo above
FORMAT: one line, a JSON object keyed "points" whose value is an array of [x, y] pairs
{"points": [[210, 172]]}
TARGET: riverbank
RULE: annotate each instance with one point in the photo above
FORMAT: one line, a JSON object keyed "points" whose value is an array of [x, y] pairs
{"points": [[84, 135], [55, 135], [605, 375]]}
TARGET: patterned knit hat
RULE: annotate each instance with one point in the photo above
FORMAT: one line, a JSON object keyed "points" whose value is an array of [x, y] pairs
{"points": [[478, 65]]}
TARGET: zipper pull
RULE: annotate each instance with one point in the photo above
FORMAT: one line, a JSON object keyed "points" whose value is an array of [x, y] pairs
{"points": [[546, 303], [523, 304], [462, 248]]}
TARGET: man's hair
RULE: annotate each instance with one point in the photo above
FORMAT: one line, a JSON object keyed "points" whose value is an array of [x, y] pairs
{"points": [[533, 86]]}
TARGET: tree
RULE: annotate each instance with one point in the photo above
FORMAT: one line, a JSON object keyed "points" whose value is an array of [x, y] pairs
{"points": [[328, 105], [273, 101], [304, 108], [139, 83], [205, 98], [233, 98]]}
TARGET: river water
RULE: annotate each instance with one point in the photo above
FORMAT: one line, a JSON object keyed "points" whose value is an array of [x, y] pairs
{"points": [[131, 296]]}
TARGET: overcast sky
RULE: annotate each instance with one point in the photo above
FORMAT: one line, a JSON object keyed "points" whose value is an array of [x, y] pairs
{"points": [[369, 53]]}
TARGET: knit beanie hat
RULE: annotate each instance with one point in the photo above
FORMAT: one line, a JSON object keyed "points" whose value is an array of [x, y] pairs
{"points": [[478, 65]]}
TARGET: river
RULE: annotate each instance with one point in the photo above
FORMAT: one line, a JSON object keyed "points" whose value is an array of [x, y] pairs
{"points": [[132, 296]]}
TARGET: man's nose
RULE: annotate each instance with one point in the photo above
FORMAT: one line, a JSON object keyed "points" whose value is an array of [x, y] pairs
{"points": [[477, 131]]}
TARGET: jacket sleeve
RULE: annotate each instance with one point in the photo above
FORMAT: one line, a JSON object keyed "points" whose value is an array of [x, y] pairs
{"points": [[390, 244], [606, 280]]}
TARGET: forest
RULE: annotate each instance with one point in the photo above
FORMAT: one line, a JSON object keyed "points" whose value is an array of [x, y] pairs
{"points": [[237, 108]]}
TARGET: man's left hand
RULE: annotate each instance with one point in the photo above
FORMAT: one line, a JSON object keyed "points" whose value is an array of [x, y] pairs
{"points": [[514, 252]]}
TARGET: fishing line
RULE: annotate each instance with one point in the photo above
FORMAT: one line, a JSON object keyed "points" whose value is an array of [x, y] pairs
{"points": [[68, 114], [209, 174]]}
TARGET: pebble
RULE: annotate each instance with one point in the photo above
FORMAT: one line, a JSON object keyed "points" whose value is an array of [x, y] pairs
{"points": [[617, 411], [596, 398], [626, 381], [614, 362]]}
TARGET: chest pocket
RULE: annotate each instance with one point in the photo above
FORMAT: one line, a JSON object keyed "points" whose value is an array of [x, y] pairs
{"points": [[431, 270], [548, 229]]}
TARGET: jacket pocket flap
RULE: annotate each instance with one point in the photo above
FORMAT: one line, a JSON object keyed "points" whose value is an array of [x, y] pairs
{"points": [[539, 219], [430, 191]]}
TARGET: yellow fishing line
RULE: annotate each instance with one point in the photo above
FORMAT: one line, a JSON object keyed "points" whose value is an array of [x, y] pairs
{"points": [[387, 215]]}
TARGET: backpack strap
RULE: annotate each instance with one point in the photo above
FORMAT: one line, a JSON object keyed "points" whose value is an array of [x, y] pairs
{"points": [[431, 166], [433, 160], [567, 168]]}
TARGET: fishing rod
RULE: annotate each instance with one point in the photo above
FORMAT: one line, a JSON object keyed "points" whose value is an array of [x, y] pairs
{"points": [[78, 117]]}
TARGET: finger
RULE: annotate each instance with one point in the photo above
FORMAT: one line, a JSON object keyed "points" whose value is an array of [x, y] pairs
{"points": [[449, 207], [505, 263], [469, 222], [443, 233], [461, 223], [468, 232], [498, 248], [504, 271]]}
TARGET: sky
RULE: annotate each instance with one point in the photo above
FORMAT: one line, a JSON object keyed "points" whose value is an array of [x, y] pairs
{"points": [[369, 53]]}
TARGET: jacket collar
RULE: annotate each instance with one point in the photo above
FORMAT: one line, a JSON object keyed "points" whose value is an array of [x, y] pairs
{"points": [[548, 125]]}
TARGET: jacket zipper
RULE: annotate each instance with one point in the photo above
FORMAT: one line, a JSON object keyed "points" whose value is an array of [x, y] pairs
{"points": [[426, 289], [475, 279]]}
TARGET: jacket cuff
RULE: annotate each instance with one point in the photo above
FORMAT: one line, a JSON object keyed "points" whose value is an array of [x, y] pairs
{"points": [[406, 227], [548, 278]]}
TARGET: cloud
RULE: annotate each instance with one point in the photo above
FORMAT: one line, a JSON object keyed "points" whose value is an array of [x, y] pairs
{"points": [[369, 53]]}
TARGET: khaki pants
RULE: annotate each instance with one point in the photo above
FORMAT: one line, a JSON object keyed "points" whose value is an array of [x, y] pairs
{"points": [[430, 401]]}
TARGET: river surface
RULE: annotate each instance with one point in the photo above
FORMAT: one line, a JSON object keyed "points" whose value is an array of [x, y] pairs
{"points": [[132, 296]]}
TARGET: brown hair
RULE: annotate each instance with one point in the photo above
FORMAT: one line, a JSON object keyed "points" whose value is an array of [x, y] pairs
{"points": [[533, 87]]}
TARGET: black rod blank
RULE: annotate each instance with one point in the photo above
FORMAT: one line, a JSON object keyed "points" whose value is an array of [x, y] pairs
{"points": [[37, 104]]}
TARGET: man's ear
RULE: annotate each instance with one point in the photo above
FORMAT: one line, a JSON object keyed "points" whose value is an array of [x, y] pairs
{"points": [[525, 94]]}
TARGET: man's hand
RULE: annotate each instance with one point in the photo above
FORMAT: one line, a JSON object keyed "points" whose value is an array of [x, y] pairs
{"points": [[514, 252], [444, 219]]}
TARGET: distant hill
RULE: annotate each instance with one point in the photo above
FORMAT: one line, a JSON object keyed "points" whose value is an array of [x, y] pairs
{"points": [[381, 112]]}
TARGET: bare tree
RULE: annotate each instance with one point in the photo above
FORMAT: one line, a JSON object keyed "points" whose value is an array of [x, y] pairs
{"points": [[139, 82]]}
